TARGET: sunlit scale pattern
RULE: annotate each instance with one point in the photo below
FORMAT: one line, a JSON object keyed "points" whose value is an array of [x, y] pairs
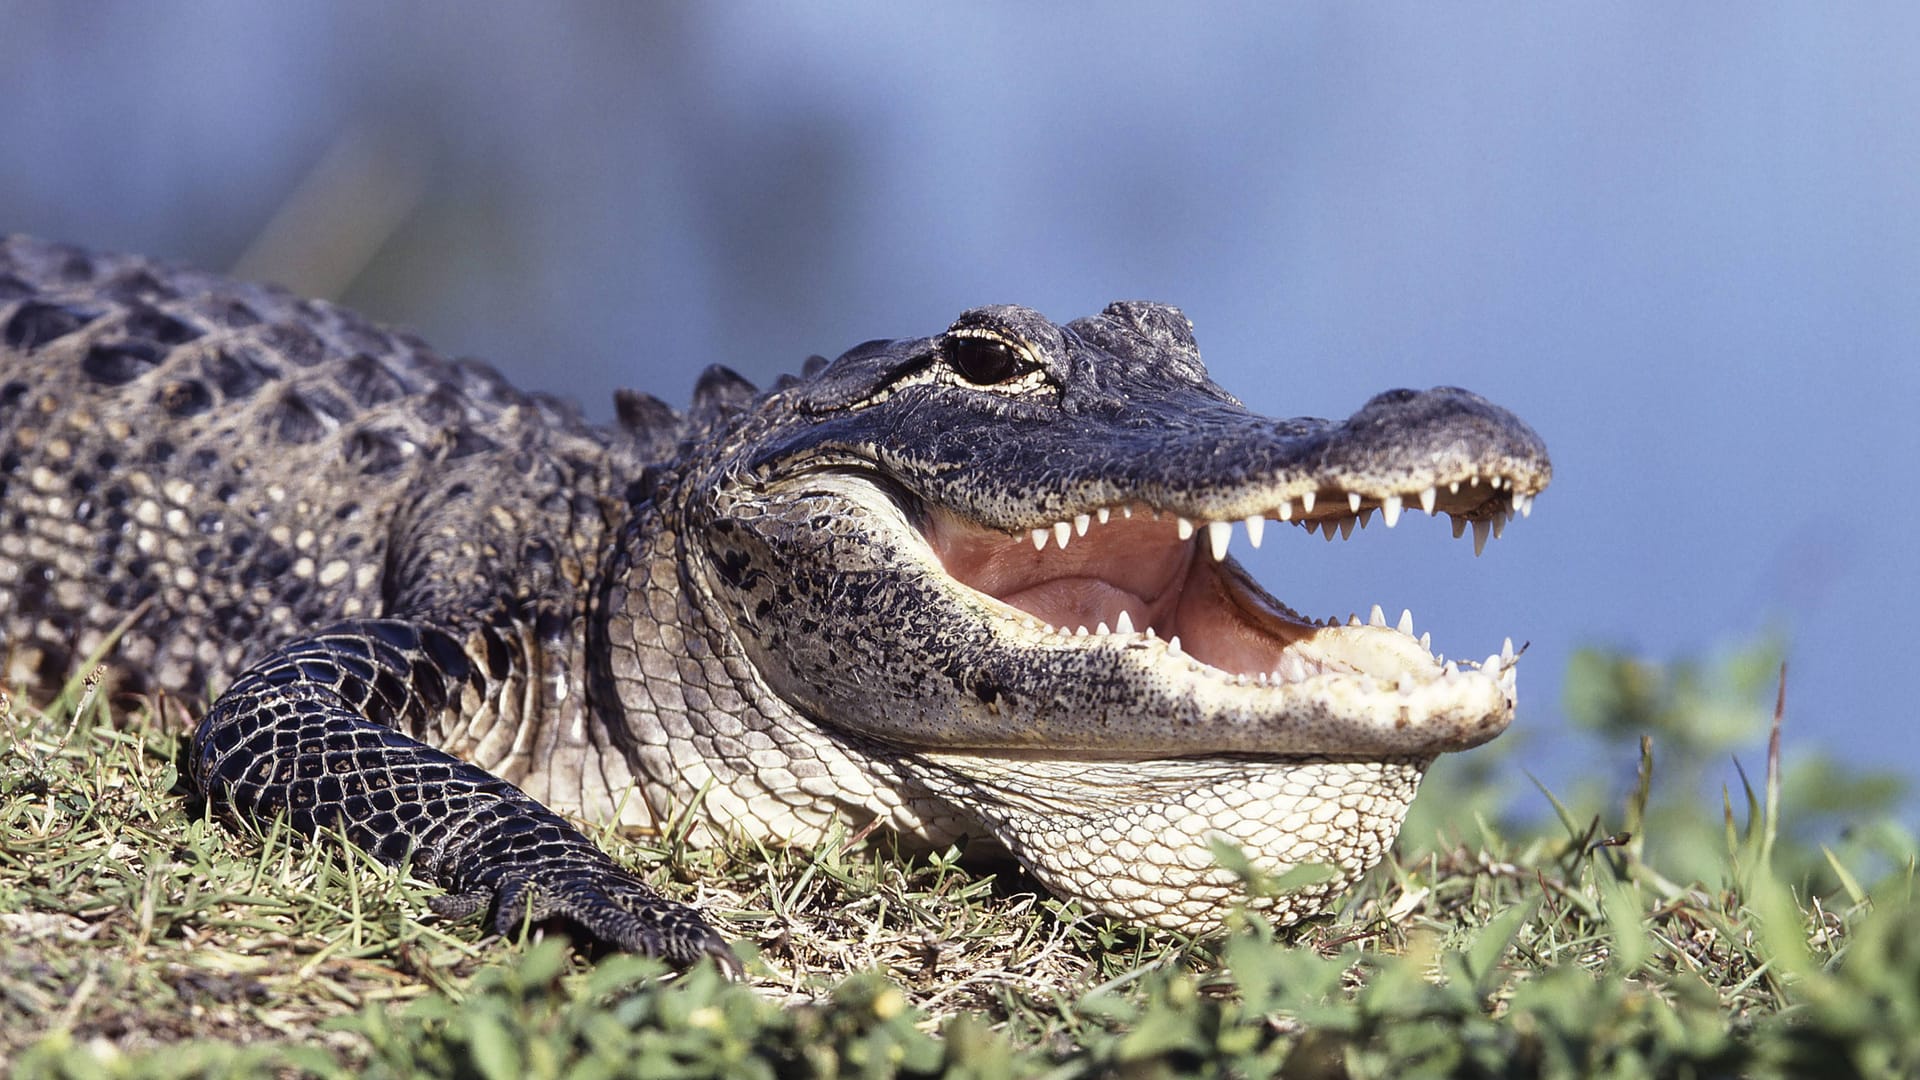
{"points": [[312, 734], [1149, 857], [701, 737]]}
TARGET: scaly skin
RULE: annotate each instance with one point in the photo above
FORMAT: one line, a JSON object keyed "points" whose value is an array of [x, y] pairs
{"points": [[440, 614]]}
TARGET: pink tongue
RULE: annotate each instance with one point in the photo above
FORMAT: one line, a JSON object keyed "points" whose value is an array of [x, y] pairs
{"points": [[1230, 644], [1198, 606], [1137, 566], [1080, 601]]}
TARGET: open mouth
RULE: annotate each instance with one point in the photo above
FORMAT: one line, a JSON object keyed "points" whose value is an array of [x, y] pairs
{"points": [[1156, 580]]}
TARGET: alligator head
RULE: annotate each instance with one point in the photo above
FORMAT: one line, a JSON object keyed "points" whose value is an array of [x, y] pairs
{"points": [[995, 562]]}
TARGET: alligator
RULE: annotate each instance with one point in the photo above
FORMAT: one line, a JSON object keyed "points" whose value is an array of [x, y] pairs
{"points": [[974, 586]]}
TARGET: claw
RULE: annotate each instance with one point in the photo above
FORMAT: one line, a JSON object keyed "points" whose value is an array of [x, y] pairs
{"points": [[459, 907], [603, 902]]}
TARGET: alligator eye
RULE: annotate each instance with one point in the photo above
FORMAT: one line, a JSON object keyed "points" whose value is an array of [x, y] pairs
{"points": [[984, 361]]}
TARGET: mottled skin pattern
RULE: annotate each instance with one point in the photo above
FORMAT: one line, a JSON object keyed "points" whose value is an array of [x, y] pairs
{"points": [[374, 545], [439, 613]]}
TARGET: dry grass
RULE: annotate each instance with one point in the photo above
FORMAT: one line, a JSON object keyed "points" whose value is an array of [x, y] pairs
{"points": [[134, 918], [143, 938]]}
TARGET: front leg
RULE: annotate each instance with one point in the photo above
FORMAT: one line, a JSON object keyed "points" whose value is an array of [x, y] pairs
{"points": [[310, 732]]}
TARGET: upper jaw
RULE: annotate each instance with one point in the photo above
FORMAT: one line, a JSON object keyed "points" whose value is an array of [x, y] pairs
{"points": [[1127, 560]]}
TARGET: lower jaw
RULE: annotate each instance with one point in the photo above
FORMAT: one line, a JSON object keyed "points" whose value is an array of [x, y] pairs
{"points": [[1137, 840]]}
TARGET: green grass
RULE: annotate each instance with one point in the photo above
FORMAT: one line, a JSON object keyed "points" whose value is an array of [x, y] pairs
{"points": [[1646, 930]]}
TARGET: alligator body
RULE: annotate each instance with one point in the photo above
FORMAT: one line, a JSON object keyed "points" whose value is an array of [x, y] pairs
{"points": [[970, 585]]}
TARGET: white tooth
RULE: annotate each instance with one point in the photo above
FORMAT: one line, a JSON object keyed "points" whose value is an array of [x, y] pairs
{"points": [[1453, 488], [1261, 678], [1346, 528], [1376, 617], [1062, 532], [1405, 625], [1481, 527], [1127, 510], [1286, 510], [1105, 514], [1427, 499], [1407, 683], [1366, 516], [1506, 649], [1353, 620], [1184, 527], [1102, 630], [1173, 645], [1353, 501], [1039, 539], [1306, 502], [1426, 642], [1500, 524], [1526, 507], [1496, 483], [1517, 499], [1080, 523], [1219, 533], [1491, 663], [1459, 525], [1256, 528], [1451, 668], [1124, 623], [1080, 631], [1152, 634], [1390, 510], [1474, 480]]}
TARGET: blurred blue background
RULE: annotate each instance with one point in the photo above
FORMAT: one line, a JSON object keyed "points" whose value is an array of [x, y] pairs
{"points": [[1683, 241]]}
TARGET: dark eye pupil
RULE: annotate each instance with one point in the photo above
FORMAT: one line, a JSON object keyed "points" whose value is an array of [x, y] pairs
{"points": [[984, 361]]}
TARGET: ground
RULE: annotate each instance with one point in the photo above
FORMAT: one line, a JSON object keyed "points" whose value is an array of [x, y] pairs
{"points": [[143, 938]]}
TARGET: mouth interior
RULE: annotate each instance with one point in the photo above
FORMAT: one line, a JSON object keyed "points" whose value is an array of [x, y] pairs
{"points": [[1134, 571], [1138, 574]]}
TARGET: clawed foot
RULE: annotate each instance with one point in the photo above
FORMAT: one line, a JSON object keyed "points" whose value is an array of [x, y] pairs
{"points": [[608, 903]]}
